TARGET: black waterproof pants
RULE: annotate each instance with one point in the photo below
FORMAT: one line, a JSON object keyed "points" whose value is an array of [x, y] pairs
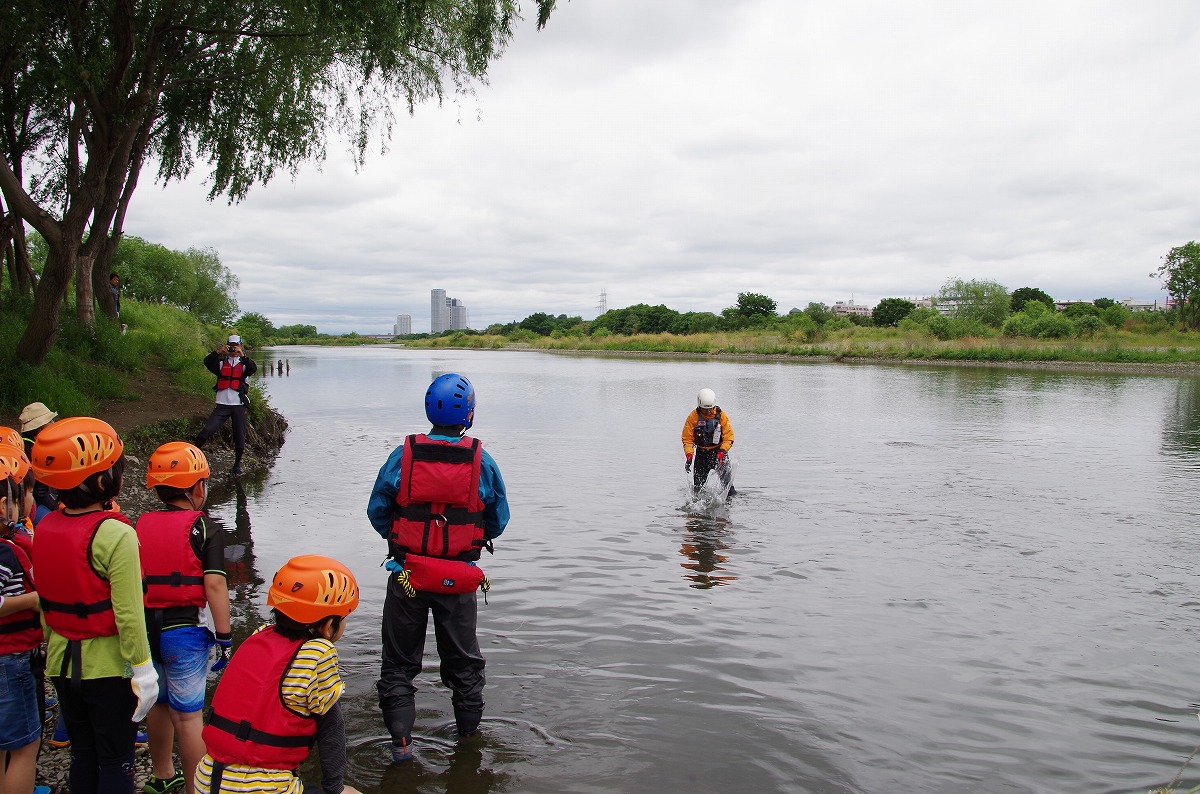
{"points": [[704, 462], [217, 418], [405, 621], [99, 720]]}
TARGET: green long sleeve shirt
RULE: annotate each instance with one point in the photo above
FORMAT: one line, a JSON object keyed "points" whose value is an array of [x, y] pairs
{"points": [[114, 555]]}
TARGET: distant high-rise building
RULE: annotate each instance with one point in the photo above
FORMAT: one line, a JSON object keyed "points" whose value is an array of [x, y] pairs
{"points": [[439, 311], [458, 315], [403, 325], [446, 314]]}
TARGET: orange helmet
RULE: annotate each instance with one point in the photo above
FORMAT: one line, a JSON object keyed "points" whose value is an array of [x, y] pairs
{"points": [[178, 464], [69, 451], [10, 436], [13, 463], [312, 587]]}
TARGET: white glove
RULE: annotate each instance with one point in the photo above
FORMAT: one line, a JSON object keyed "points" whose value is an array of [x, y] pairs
{"points": [[145, 686]]}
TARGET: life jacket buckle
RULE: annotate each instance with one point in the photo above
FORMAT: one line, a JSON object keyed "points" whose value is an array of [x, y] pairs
{"points": [[439, 520]]}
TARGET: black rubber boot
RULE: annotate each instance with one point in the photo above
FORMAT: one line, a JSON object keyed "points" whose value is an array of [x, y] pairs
{"points": [[467, 721]]}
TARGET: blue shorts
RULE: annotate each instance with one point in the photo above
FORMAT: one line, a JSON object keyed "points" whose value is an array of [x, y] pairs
{"points": [[184, 667], [18, 703]]}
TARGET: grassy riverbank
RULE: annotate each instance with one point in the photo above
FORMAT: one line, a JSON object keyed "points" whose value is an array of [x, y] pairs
{"points": [[1167, 349], [83, 370], [149, 383]]}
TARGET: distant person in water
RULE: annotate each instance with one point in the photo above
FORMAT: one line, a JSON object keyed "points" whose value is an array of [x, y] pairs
{"points": [[707, 436], [233, 370]]}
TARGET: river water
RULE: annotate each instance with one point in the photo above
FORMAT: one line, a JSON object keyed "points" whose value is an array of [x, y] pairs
{"points": [[931, 579]]}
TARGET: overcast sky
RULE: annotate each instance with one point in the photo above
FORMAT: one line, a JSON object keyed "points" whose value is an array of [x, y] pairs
{"points": [[683, 151]]}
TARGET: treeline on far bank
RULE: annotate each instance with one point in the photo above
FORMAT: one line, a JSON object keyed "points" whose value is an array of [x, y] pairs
{"points": [[979, 325], [965, 310]]}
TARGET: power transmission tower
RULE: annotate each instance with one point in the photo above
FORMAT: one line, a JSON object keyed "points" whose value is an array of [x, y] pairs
{"points": [[603, 307]]}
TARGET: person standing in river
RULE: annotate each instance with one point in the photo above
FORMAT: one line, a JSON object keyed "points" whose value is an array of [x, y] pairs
{"points": [[442, 481], [233, 370], [707, 436]]}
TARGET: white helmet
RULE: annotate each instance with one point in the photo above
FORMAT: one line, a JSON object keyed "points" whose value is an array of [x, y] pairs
{"points": [[706, 399]]}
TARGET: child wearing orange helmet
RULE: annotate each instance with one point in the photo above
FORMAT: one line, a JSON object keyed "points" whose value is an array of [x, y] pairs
{"points": [[257, 735], [90, 588], [20, 630], [183, 570]]}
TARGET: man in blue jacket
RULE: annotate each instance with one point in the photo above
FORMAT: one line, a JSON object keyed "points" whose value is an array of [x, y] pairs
{"points": [[438, 500]]}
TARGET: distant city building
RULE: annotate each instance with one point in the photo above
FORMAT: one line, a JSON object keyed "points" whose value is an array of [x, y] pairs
{"points": [[458, 315], [446, 314], [921, 303], [847, 308], [1134, 306], [403, 325], [948, 306], [439, 311]]}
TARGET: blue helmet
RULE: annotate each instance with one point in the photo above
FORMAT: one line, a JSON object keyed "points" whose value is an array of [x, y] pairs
{"points": [[450, 400]]}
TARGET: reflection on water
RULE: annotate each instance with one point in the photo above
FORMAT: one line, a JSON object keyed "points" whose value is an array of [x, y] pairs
{"points": [[1181, 428], [242, 576], [704, 540], [446, 765], [932, 580]]}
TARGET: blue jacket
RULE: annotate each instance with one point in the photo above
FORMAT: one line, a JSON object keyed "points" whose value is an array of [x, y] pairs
{"points": [[382, 504]]}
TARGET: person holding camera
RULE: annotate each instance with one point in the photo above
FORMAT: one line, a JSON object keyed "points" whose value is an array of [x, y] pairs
{"points": [[233, 370]]}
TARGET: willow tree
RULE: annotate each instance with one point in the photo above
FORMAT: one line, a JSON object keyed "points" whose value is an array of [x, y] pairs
{"points": [[1180, 274], [246, 87]]}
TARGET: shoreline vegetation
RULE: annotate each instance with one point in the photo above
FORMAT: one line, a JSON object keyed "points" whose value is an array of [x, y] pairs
{"points": [[1169, 353], [980, 324], [148, 382]]}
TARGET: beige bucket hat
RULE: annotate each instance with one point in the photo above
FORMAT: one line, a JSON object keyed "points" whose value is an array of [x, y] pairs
{"points": [[36, 415]]}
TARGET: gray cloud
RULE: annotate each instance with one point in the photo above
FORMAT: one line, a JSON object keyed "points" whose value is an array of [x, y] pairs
{"points": [[681, 152]]}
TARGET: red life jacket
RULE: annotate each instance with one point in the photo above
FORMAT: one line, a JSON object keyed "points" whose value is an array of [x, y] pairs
{"points": [[172, 575], [232, 376], [76, 601], [21, 631], [250, 725], [24, 538], [439, 511]]}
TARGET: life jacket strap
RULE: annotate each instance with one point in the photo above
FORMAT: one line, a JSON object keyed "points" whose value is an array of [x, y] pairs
{"points": [[424, 512], [32, 622], [218, 772], [173, 579], [244, 732], [78, 609]]}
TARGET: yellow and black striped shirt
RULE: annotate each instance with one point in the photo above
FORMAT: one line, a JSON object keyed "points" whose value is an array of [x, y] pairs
{"points": [[311, 685]]}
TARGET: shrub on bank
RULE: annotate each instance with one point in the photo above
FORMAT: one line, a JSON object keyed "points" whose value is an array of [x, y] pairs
{"points": [[84, 367]]}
